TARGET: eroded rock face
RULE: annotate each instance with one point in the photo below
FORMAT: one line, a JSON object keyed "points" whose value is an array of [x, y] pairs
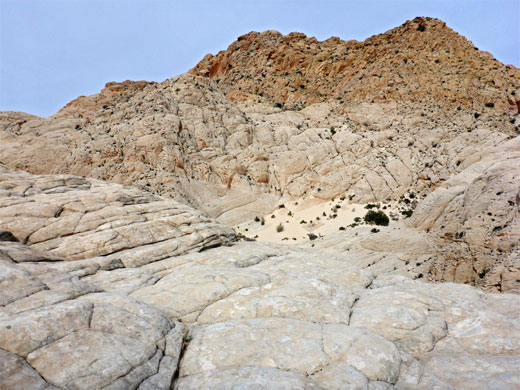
{"points": [[237, 157], [63, 333], [475, 217], [76, 218], [422, 60], [104, 286], [396, 113], [254, 315]]}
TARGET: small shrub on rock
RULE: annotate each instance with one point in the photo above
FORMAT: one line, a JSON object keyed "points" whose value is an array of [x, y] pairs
{"points": [[378, 217]]}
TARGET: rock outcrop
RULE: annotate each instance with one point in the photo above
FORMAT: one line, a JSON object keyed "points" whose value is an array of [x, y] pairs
{"points": [[77, 218], [475, 216], [117, 269], [422, 61], [250, 314], [221, 140]]}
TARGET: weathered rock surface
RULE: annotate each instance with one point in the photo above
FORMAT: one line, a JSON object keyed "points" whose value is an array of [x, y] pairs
{"points": [[76, 218], [105, 286], [353, 128], [257, 315], [475, 217], [58, 332], [422, 60], [208, 139]]}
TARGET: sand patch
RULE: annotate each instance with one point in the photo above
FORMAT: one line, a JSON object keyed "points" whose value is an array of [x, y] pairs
{"points": [[299, 220]]}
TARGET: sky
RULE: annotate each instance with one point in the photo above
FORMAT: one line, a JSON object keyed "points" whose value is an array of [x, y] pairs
{"points": [[52, 51]]}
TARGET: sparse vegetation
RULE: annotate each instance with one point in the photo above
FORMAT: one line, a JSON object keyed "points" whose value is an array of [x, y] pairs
{"points": [[378, 217], [312, 236], [279, 228], [407, 213]]}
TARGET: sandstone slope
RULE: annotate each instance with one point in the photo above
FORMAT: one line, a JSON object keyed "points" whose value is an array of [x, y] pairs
{"points": [[417, 112], [422, 61], [252, 314], [226, 142]]}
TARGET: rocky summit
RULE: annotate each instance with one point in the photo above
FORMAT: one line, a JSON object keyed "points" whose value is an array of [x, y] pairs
{"points": [[289, 214]]}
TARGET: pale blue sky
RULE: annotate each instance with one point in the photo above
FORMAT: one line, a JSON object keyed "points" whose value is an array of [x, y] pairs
{"points": [[52, 51]]}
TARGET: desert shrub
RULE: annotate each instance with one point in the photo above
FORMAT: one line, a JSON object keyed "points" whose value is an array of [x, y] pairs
{"points": [[378, 217], [374, 230], [312, 236], [279, 228], [407, 213]]}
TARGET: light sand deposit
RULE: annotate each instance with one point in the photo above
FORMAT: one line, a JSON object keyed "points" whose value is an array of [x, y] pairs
{"points": [[309, 215]]}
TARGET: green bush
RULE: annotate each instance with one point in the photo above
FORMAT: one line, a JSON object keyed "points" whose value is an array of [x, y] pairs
{"points": [[407, 213], [376, 218]]}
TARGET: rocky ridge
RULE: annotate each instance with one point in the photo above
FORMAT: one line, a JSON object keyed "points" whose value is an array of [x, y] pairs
{"points": [[422, 61]]}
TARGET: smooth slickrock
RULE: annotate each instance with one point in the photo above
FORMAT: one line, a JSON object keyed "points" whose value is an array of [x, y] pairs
{"points": [[247, 378], [83, 340], [15, 372], [80, 218], [255, 157], [475, 218], [258, 315]]}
